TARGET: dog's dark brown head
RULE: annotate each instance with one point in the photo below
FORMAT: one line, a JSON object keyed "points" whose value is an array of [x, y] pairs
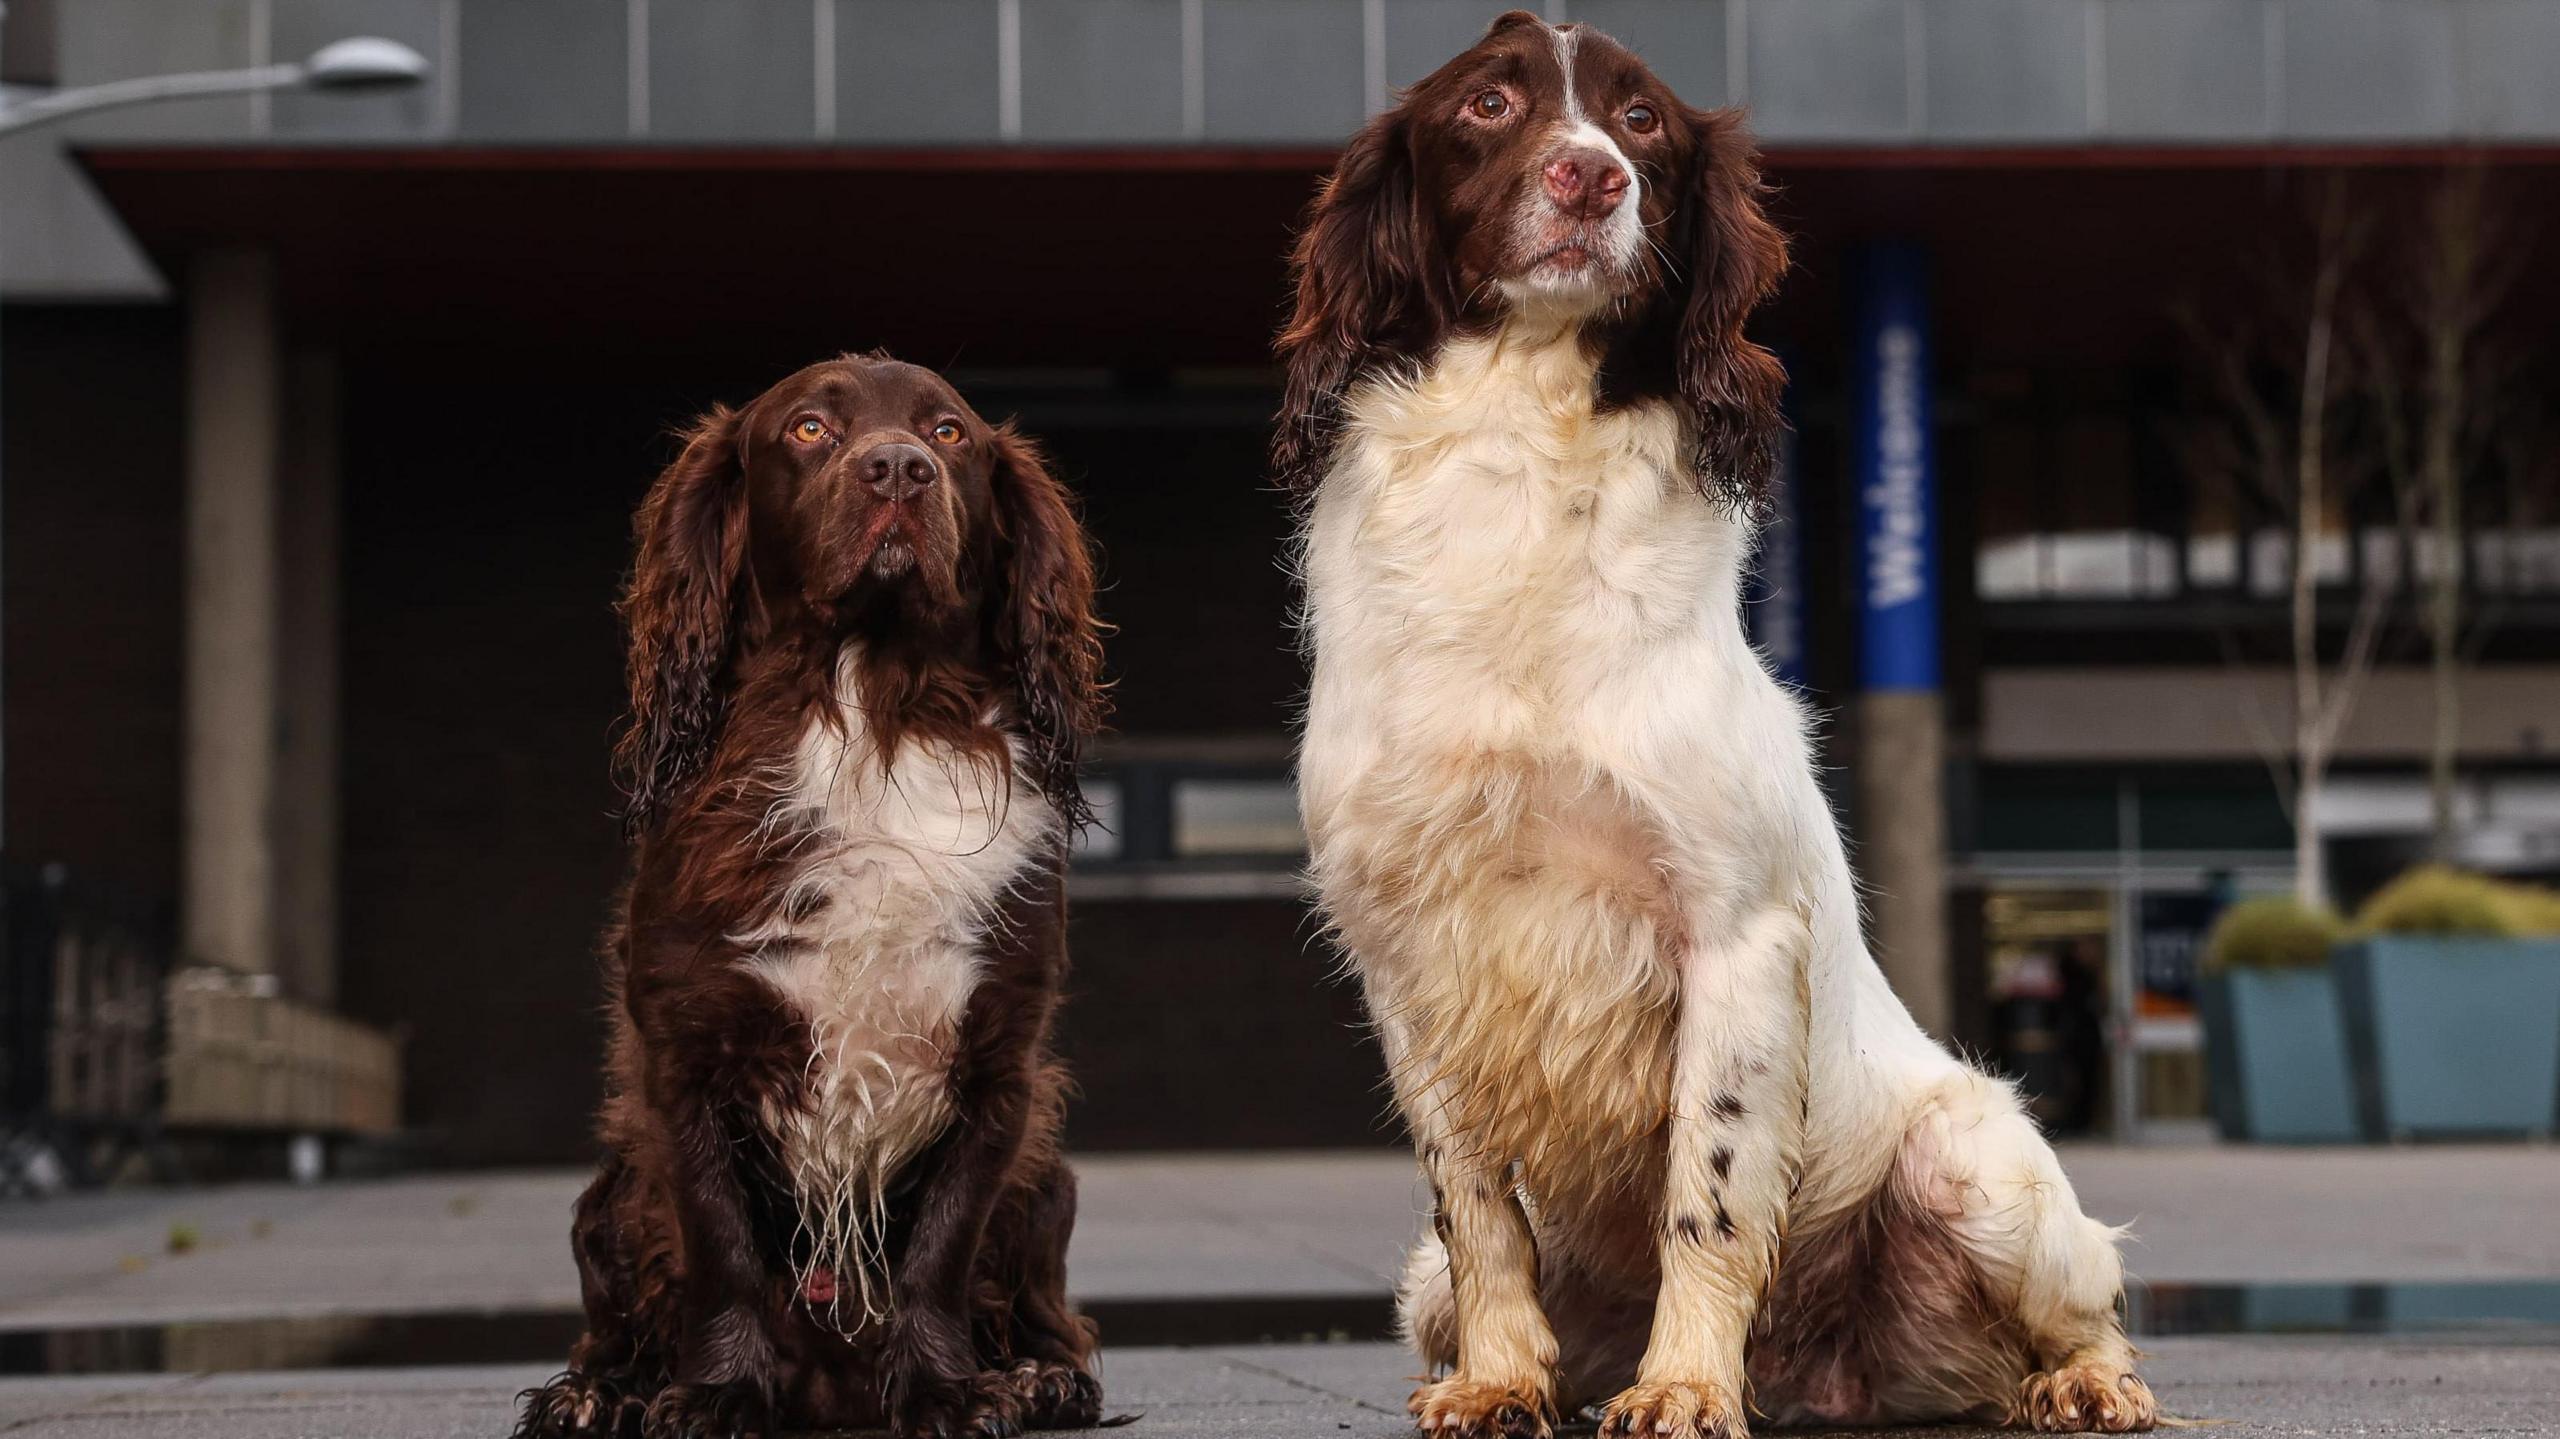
{"points": [[859, 496], [1546, 169]]}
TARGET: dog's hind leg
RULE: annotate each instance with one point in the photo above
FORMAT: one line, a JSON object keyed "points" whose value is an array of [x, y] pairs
{"points": [[1427, 1305], [1974, 1158], [1736, 1144]]}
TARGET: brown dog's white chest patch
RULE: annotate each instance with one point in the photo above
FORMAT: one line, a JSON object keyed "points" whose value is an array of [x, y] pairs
{"points": [[903, 867]]}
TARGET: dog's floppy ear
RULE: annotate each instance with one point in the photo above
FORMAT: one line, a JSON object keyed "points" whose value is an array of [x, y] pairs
{"points": [[1732, 387], [1364, 266], [1042, 619], [679, 611]]}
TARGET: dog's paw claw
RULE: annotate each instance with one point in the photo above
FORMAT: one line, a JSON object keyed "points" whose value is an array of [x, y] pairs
{"points": [[1056, 1396], [997, 1404], [1467, 1409], [2085, 1398], [1675, 1411], [706, 1411], [574, 1405]]}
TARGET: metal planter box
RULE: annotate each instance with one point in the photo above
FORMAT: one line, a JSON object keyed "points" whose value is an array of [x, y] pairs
{"points": [[2276, 1057], [2453, 1036]]}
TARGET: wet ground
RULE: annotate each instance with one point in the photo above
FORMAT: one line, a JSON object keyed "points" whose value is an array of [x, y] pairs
{"points": [[2468, 1311], [2381, 1292], [2244, 1387]]}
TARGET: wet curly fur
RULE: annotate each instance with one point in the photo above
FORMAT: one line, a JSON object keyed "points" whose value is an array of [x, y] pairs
{"points": [[828, 605]]}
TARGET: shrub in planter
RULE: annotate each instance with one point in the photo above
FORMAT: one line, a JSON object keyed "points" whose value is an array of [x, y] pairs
{"points": [[2535, 910], [2452, 1005], [2275, 1050], [2432, 899]]}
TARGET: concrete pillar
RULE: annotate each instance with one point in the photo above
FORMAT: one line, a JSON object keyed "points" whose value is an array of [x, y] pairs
{"points": [[258, 893], [1902, 816], [1903, 847], [306, 813], [234, 411]]}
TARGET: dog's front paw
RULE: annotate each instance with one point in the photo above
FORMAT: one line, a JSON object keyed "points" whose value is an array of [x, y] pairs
{"points": [[1463, 1408], [1675, 1411], [575, 1405], [2085, 1398], [707, 1411], [1055, 1396], [983, 1406]]}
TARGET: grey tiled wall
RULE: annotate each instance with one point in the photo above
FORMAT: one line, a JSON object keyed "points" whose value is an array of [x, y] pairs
{"points": [[2004, 70], [968, 72], [2186, 70], [732, 70], [2367, 69], [559, 70], [1685, 41], [1282, 69], [1102, 70], [1421, 34], [1831, 69], [2506, 53], [883, 95]]}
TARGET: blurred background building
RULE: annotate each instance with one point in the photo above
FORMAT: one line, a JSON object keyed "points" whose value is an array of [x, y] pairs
{"points": [[321, 420]]}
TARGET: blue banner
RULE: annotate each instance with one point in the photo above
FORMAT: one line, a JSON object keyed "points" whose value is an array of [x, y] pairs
{"points": [[1897, 491]]}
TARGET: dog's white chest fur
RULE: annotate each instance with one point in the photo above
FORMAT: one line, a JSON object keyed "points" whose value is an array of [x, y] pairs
{"points": [[1497, 577], [902, 868], [1540, 754]]}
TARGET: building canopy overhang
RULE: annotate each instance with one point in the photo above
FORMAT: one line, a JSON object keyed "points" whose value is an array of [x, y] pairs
{"points": [[1152, 259]]}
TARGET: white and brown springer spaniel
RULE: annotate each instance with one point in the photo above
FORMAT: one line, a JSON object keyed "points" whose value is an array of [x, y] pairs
{"points": [[1687, 1147]]}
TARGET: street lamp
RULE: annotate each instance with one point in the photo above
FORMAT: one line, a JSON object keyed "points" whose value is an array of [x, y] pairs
{"points": [[345, 67], [362, 65]]}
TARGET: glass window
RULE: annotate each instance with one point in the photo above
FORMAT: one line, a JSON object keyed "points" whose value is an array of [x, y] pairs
{"points": [[1236, 817]]}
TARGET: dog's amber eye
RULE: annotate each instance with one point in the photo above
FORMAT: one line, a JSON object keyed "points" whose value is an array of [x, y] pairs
{"points": [[1642, 120], [948, 432], [1490, 105], [808, 429]]}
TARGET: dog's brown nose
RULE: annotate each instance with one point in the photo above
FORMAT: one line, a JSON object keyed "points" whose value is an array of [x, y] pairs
{"points": [[895, 471], [1585, 183]]}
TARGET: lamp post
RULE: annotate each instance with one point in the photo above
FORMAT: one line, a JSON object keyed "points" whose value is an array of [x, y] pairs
{"points": [[356, 66], [345, 67]]}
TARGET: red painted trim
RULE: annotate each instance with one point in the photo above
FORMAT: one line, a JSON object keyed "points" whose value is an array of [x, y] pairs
{"points": [[112, 159], [1185, 159], [2156, 157]]}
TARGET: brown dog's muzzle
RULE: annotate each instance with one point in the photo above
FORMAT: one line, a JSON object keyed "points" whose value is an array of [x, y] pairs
{"points": [[896, 470], [1584, 183]]}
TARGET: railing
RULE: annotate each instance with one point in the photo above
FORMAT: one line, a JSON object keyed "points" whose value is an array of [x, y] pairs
{"points": [[83, 971]]}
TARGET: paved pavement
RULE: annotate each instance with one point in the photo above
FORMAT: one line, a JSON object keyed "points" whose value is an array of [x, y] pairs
{"points": [[2242, 1388], [1189, 1227], [1263, 1225]]}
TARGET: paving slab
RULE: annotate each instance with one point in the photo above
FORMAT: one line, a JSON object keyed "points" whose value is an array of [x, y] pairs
{"points": [[1195, 1226], [2241, 1388]]}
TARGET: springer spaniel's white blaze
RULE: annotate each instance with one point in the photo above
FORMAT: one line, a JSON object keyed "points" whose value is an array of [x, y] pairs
{"points": [[1568, 829], [901, 868]]}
